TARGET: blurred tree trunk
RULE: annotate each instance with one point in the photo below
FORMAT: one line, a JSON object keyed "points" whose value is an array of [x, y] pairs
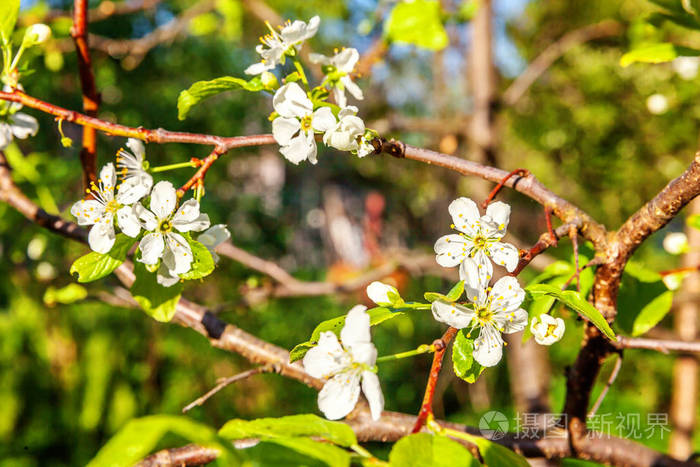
{"points": [[685, 369]]}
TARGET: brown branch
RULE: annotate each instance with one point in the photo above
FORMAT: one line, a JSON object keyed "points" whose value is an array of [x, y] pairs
{"points": [[497, 188], [390, 427], [543, 61], [91, 98], [184, 456], [662, 345], [223, 382], [546, 240]]}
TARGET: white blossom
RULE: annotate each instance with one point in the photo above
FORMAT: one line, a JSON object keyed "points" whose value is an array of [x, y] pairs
{"points": [[346, 367], [213, 237], [366, 147], [297, 123], [342, 65], [547, 329], [479, 238], [493, 311], [36, 34], [383, 294], [18, 125], [276, 44], [163, 223], [676, 243], [132, 167], [344, 135], [101, 210]]}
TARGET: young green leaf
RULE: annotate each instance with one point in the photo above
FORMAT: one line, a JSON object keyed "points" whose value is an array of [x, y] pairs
{"points": [[424, 449], [157, 301], [203, 89], [643, 300], [419, 23], [306, 425], [456, 291], [495, 454], [142, 435], [573, 300], [8, 18], [202, 264], [463, 358], [657, 53], [93, 265]]}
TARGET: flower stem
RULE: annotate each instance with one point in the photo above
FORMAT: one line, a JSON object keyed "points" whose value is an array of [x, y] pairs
{"points": [[302, 74], [179, 165], [425, 348]]}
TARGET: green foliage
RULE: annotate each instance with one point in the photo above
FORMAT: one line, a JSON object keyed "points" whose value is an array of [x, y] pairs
{"points": [[452, 296], [202, 264], [424, 449], [657, 53], [157, 301], [693, 221], [417, 22], [8, 18], [69, 294], [643, 300], [94, 266], [376, 316], [497, 455], [294, 432], [204, 89], [576, 302], [463, 358], [141, 436]]}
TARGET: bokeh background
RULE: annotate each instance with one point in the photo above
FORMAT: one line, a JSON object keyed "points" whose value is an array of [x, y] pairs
{"points": [[603, 136]]}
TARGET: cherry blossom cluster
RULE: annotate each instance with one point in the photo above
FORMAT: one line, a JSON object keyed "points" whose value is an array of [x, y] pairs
{"points": [[161, 227], [301, 112]]}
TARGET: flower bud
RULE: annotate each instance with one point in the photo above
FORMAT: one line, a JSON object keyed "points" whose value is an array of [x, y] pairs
{"points": [[36, 34], [269, 81], [383, 294], [676, 243], [547, 329]]}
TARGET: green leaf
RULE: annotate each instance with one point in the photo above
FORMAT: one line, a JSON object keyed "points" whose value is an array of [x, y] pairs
{"points": [[141, 436], [203, 89], [643, 300], [95, 265], [657, 53], [8, 17], [456, 291], [576, 302], [496, 455], [305, 425], [69, 294], [463, 358], [693, 221], [556, 269], [203, 263], [435, 296], [376, 316], [543, 304], [294, 431], [157, 301], [424, 449], [417, 22]]}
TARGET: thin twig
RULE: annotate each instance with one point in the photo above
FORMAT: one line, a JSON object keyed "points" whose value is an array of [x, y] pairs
{"points": [[223, 382], [494, 192], [611, 380]]}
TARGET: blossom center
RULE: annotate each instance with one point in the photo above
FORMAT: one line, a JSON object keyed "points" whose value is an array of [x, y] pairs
{"points": [[165, 226], [112, 207], [480, 242], [484, 314], [550, 330], [306, 123]]}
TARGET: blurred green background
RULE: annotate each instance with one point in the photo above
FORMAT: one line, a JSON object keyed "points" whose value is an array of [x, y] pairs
{"points": [[72, 374]]}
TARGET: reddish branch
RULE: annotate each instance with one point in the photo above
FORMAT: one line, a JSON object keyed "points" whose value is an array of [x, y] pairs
{"points": [[494, 192], [91, 99], [426, 408]]}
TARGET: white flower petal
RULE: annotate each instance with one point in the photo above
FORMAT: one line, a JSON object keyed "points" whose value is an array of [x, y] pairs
{"points": [[452, 314], [163, 199], [166, 277], [373, 393], [339, 95], [327, 358], [23, 125], [379, 292], [187, 212], [465, 215], [363, 352], [214, 236], [546, 329], [179, 257], [108, 179], [323, 119], [101, 237], [284, 128], [516, 322], [5, 135], [319, 59], [137, 148], [346, 59], [356, 329], [258, 68], [151, 246], [474, 285], [300, 148], [339, 395], [352, 88], [499, 213], [149, 221], [505, 254], [484, 267], [488, 347], [451, 250], [506, 295], [128, 221], [88, 211], [134, 188], [291, 101]]}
